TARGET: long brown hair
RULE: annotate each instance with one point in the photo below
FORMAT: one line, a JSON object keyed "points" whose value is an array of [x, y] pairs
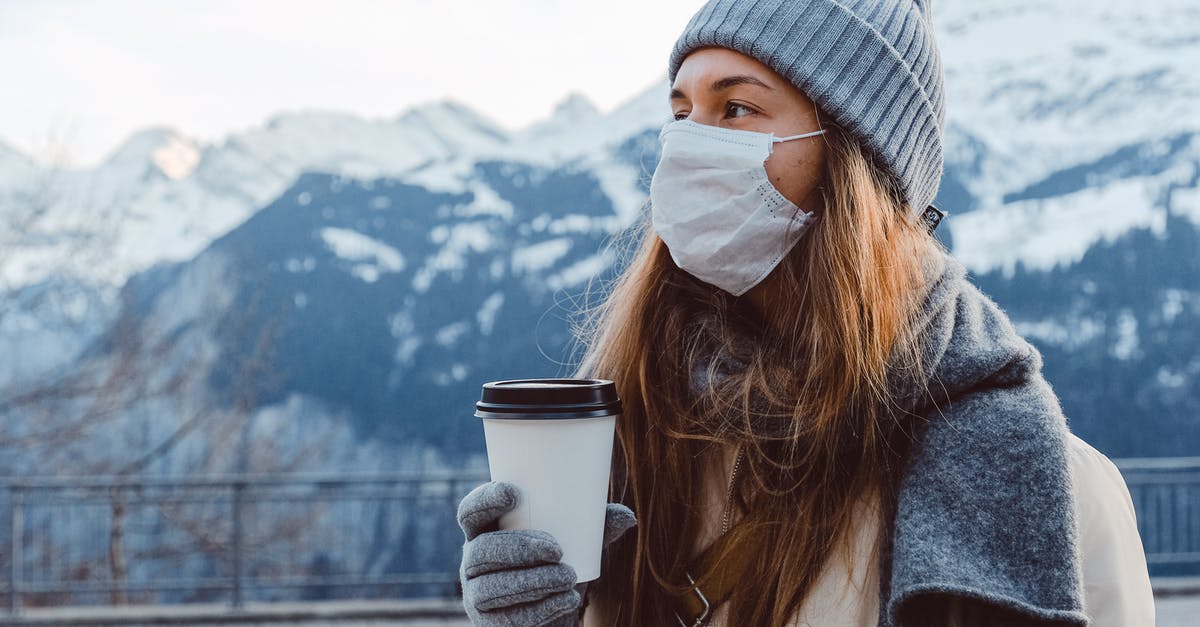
{"points": [[808, 397]]}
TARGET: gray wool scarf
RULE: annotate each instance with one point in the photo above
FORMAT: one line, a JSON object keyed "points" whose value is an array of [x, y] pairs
{"points": [[981, 512], [983, 507]]}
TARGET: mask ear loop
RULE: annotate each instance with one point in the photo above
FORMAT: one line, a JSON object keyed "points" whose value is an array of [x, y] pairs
{"points": [[800, 136]]}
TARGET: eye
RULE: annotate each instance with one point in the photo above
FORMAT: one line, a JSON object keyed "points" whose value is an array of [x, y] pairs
{"points": [[681, 115], [733, 107]]}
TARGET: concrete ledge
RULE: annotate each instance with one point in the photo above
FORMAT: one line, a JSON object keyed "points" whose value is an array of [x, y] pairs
{"points": [[431, 611], [1175, 586], [1177, 599]]}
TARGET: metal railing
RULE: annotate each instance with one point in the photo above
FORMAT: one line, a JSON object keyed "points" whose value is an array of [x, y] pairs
{"points": [[235, 537], [1166, 498], [321, 537]]}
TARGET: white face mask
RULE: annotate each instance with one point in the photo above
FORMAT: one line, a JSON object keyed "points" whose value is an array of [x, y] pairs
{"points": [[715, 208]]}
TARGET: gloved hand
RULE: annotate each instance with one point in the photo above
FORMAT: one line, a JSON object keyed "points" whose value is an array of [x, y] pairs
{"points": [[515, 577]]}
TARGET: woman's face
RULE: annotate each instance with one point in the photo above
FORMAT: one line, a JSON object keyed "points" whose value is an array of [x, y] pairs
{"points": [[722, 87]]}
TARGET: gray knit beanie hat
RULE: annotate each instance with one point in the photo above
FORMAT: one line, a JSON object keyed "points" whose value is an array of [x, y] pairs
{"points": [[871, 64]]}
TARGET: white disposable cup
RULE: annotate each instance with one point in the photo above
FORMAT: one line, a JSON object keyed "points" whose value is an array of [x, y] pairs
{"points": [[560, 464]]}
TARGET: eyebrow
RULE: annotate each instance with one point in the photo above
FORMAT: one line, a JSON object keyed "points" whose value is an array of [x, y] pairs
{"points": [[727, 82]]}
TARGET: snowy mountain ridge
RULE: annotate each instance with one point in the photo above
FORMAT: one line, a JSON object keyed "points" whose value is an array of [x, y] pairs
{"points": [[1058, 141], [1027, 98], [1046, 95], [168, 196]]}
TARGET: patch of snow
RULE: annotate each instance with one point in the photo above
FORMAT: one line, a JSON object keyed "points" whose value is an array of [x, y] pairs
{"points": [[1186, 202], [177, 157], [552, 142], [450, 334], [1069, 335], [486, 316], [540, 256], [486, 202], [202, 292], [49, 330], [354, 246], [1168, 378], [618, 181], [450, 176], [365, 272], [406, 349], [496, 270], [456, 242], [581, 271], [453, 127], [457, 373], [1126, 345], [16, 170], [296, 266], [1044, 233], [568, 114], [575, 223], [1174, 301], [402, 327]]}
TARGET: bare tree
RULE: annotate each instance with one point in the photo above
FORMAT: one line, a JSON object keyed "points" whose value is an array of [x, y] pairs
{"points": [[83, 418]]}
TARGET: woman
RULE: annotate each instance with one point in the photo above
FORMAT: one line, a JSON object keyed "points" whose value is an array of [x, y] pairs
{"points": [[825, 423]]}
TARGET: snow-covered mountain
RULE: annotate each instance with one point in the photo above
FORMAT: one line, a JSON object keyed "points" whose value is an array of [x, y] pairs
{"points": [[1069, 122], [394, 264], [161, 197]]}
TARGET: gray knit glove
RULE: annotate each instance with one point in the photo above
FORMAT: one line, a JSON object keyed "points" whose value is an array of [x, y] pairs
{"points": [[515, 577]]}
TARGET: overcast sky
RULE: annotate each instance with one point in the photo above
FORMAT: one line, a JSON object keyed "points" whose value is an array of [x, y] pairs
{"points": [[82, 75]]}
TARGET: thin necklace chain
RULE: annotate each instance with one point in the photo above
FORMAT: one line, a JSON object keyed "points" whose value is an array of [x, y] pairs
{"points": [[729, 494]]}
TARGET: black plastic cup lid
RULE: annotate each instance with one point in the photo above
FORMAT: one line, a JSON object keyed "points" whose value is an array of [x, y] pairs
{"points": [[548, 399]]}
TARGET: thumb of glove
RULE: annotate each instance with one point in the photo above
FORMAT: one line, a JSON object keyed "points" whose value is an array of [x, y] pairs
{"points": [[617, 520]]}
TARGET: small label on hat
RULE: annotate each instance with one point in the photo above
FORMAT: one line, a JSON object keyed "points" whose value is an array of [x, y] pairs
{"points": [[932, 216]]}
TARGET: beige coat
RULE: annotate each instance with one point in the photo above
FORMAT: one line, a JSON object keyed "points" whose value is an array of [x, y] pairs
{"points": [[1116, 584]]}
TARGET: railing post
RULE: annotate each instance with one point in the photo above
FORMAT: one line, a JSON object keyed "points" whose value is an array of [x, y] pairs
{"points": [[239, 488], [17, 529], [455, 591]]}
